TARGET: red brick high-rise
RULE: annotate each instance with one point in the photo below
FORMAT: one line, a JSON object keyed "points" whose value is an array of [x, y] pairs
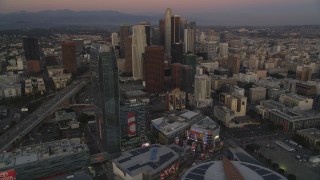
{"points": [[69, 58], [154, 69], [128, 54]]}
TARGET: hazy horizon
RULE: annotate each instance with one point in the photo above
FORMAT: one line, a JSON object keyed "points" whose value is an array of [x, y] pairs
{"points": [[228, 12]]}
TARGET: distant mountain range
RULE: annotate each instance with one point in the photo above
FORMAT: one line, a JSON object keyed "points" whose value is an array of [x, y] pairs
{"points": [[52, 18]]}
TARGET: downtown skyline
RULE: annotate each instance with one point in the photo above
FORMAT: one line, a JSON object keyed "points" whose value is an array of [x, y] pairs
{"points": [[229, 12]]}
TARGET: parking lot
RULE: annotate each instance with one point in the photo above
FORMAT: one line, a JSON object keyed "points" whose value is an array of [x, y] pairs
{"points": [[288, 160]]}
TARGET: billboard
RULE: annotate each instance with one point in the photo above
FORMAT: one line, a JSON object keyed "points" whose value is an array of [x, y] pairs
{"points": [[8, 175], [132, 130]]}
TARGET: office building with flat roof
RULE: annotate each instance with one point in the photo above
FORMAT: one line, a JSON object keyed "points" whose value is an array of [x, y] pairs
{"points": [[48, 159]]}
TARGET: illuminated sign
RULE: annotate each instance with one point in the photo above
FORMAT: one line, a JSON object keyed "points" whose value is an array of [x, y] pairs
{"points": [[8, 175], [170, 170]]}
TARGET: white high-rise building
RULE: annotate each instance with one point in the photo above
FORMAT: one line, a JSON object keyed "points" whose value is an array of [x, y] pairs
{"points": [[167, 32], [202, 87], [223, 49], [189, 40], [138, 47], [114, 39]]}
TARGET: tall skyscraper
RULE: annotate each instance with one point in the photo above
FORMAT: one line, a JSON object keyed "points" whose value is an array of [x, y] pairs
{"points": [[162, 30], [175, 29], [31, 48], [191, 60], [189, 41], [223, 50], [168, 31], [128, 54], [154, 69], [234, 64], [69, 58], [114, 39], [202, 87], [124, 33], [147, 29], [177, 53], [183, 25], [106, 85], [193, 26], [155, 40], [176, 75], [32, 53], [138, 47]]}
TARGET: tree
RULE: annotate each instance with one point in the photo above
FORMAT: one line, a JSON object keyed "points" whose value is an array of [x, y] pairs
{"points": [[291, 177], [281, 171], [275, 165]]}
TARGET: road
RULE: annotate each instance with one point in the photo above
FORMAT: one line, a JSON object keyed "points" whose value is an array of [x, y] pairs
{"points": [[34, 119]]}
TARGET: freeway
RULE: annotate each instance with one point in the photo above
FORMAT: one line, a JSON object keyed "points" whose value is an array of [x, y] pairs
{"points": [[34, 119]]}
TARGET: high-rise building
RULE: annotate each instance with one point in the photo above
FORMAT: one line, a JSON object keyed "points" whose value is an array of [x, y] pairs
{"points": [[183, 25], [211, 49], [106, 84], [138, 47], [128, 54], [175, 29], [162, 29], [79, 45], [124, 33], [193, 26], [69, 58], [168, 31], [147, 29], [187, 78], [31, 48], [177, 53], [154, 69], [223, 49], [176, 75], [155, 37], [234, 63], [32, 54], [189, 41], [114, 39], [191, 60], [202, 87]]}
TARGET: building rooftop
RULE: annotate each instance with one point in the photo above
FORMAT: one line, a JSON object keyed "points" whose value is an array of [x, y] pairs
{"points": [[9, 81], [138, 160], [296, 96], [175, 122], [295, 114], [41, 152], [206, 123], [63, 115], [134, 93], [312, 133], [218, 170]]}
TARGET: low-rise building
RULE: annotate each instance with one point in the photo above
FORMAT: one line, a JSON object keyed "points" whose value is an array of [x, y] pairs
{"points": [[149, 163], [9, 86], [311, 135], [60, 81], [177, 125], [34, 85], [48, 159], [296, 101], [257, 94], [293, 119], [66, 120]]}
